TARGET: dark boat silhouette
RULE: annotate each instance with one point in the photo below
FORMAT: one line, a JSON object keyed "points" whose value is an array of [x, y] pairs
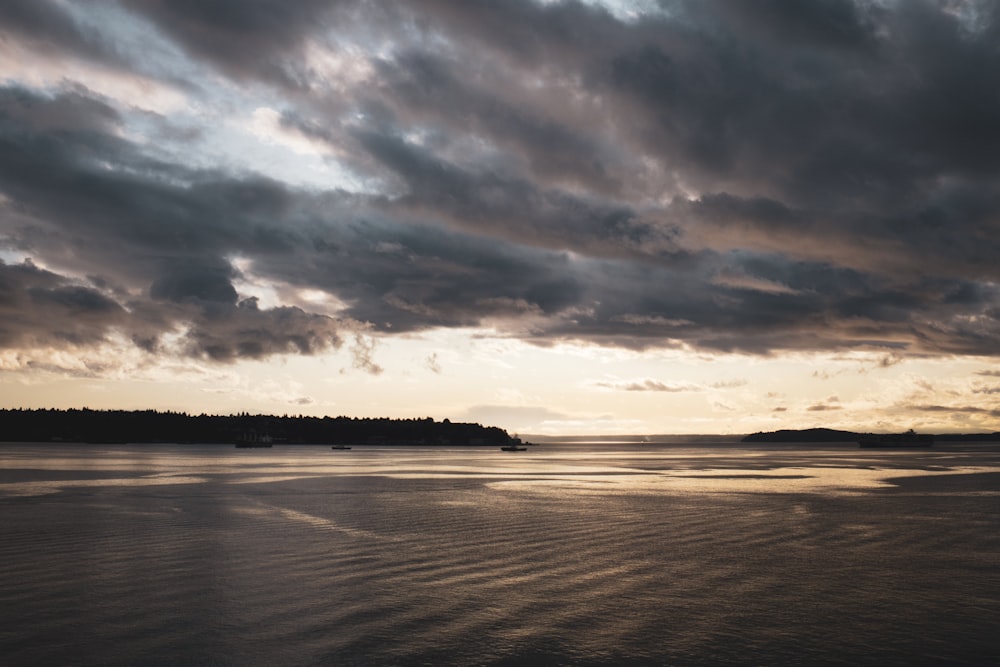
{"points": [[909, 439], [513, 446], [340, 447]]}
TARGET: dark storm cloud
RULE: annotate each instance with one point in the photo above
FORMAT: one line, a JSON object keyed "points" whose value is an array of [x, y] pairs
{"points": [[79, 199], [255, 38], [415, 84], [830, 23], [889, 99], [72, 111], [47, 27], [245, 331], [193, 282], [170, 233], [515, 209], [402, 277], [38, 307], [100, 200], [725, 175]]}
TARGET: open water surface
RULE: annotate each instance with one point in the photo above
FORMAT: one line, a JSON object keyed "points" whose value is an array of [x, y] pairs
{"points": [[561, 555]]}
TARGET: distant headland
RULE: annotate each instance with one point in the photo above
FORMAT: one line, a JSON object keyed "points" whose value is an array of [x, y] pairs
{"points": [[151, 426], [835, 435]]}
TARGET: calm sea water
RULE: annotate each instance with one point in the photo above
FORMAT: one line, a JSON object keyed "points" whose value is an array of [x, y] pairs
{"points": [[562, 555]]}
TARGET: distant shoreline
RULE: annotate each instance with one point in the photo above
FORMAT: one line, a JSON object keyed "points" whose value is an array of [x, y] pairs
{"points": [[835, 435], [88, 426]]}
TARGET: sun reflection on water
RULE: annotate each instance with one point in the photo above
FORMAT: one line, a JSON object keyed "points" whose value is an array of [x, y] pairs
{"points": [[542, 470]]}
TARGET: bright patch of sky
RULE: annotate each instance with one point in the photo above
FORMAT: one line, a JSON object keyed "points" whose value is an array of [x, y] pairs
{"points": [[205, 129], [623, 10], [476, 375]]}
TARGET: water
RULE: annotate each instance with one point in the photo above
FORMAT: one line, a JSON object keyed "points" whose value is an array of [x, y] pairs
{"points": [[562, 555]]}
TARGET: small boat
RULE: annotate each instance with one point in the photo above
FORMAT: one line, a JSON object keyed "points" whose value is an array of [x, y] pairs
{"points": [[513, 446], [340, 447], [909, 439]]}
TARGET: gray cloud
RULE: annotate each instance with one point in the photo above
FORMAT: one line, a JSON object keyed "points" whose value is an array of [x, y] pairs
{"points": [[244, 331], [224, 32], [45, 27], [958, 409], [362, 354], [648, 385], [729, 384], [433, 363], [39, 307], [801, 176], [153, 253]]}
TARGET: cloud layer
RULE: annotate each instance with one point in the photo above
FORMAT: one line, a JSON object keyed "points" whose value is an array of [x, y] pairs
{"points": [[795, 176]]}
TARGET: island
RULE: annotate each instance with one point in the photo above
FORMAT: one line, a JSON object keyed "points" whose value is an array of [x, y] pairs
{"points": [[835, 435], [804, 435], [151, 426]]}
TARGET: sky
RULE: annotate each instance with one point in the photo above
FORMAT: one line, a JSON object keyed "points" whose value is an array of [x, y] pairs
{"points": [[556, 217]]}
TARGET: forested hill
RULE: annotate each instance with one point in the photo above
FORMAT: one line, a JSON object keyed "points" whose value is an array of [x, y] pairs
{"points": [[804, 435], [119, 426]]}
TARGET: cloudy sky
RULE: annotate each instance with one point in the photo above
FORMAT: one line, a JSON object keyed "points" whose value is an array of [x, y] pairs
{"points": [[703, 216]]}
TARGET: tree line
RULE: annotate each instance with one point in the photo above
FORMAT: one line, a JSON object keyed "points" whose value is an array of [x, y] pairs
{"points": [[148, 426]]}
